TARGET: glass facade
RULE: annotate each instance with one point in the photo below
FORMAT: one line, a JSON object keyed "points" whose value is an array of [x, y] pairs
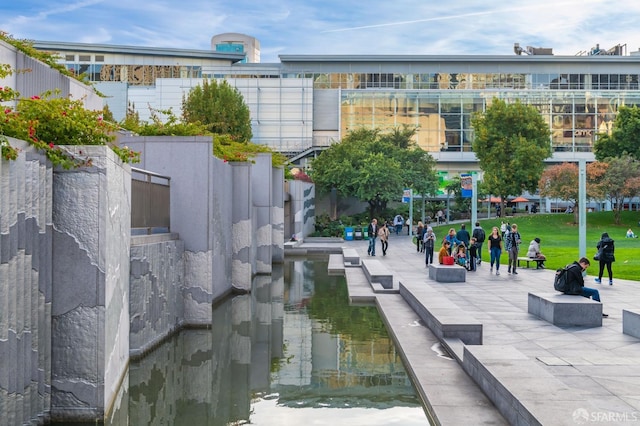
{"points": [[136, 75], [346, 95], [577, 107]]}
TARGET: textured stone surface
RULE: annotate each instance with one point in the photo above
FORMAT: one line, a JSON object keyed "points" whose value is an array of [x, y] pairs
{"points": [[156, 304], [90, 281], [24, 283], [75, 300]]}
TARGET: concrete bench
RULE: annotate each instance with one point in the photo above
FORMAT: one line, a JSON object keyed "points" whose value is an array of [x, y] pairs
{"points": [[565, 310], [444, 318], [377, 272], [351, 257], [631, 322], [447, 273], [527, 260], [520, 388]]}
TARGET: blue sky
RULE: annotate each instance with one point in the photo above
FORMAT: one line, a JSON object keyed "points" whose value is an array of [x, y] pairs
{"points": [[334, 26]]}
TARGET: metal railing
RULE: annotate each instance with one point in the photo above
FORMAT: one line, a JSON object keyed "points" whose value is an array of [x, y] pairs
{"points": [[150, 202]]}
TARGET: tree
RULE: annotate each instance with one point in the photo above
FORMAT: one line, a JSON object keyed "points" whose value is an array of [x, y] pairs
{"points": [[511, 143], [624, 138], [561, 181], [220, 108], [622, 180], [366, 165]]}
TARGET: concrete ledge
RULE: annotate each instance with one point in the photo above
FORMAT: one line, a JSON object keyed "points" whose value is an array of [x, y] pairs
{"points": [[139, 240], [521, 389], [631, 322], [376, 272], [336, 264], [360, 291], [565, 310], [447, 273], [351, 257], [444, 318]]}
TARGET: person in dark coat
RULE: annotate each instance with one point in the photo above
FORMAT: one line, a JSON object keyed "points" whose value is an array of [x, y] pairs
{"points": [[463, 235], [606, 249], [575, 281]]}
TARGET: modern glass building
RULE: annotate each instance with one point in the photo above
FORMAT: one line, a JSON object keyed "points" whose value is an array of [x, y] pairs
{"points": [[306, 102]]}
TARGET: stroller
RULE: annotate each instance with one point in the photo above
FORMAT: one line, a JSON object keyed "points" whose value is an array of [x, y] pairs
{"points": [[460, 255]]}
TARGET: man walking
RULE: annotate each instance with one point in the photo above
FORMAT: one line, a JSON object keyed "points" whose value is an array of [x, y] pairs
{"points": [[513, 240], [373, 233]]}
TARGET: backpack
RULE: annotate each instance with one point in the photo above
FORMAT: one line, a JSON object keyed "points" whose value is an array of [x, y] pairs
{"points": [[561, 283], [479, 235]]}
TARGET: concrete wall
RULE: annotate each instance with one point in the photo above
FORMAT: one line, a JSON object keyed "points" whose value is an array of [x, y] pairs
{"points": [[90, 284], [25, 287], [201, 212], [262, 199], [156, 307], [302, 207], [277, 215], [229, 215], [79, 295]]}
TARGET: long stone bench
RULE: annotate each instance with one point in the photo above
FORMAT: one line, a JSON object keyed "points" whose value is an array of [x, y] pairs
{"points": [[447, 273], [520, 388], [351, 257], [565, 310], [444, 318], [631, 322], [377, 272]]}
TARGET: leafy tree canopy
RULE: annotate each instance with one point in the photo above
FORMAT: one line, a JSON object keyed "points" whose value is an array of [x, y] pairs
{"points": [[511, 143], [561, 181], [621, 180], [375, 167], [220, 108], [624, 138]]}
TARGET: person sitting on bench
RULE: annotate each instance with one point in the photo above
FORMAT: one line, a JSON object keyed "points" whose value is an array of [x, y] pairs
{"points": [[534, 253]]}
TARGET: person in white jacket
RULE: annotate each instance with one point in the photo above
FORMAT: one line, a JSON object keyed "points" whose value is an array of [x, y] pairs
{"points": [[534, 253]]}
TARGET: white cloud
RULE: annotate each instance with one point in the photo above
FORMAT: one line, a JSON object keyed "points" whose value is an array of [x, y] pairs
{"points": [[336, 27]]}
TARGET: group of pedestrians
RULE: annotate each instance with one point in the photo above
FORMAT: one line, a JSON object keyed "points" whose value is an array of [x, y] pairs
{"points": [[467, 250]]}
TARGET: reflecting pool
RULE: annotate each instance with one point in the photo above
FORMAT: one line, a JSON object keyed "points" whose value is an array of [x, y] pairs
{"points": [[291, 352]]}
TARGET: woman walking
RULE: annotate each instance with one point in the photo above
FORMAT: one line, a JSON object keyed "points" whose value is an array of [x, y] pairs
{"points": [[495, 248], [605, 250], [383, 234], [419, 235]]}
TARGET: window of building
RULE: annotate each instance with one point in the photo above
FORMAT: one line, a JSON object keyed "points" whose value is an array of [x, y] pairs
{"points": [[84, 58]]}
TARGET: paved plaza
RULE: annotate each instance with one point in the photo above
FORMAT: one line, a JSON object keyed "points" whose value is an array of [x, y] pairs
{"points": [[544, 374]]}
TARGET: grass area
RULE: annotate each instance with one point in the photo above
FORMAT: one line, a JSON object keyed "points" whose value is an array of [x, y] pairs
{"points": [[560, 240]]}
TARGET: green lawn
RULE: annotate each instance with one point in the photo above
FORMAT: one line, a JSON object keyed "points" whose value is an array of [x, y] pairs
{"points": [[559, 239]]}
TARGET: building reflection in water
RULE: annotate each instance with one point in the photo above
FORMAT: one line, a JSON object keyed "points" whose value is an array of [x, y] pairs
{"points": [[291, 349]]}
